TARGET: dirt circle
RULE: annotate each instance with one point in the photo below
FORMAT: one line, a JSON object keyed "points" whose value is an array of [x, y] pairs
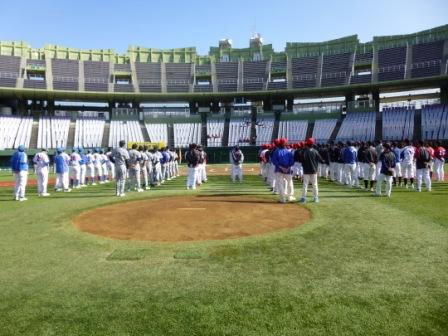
{"points": [[175, 219]]}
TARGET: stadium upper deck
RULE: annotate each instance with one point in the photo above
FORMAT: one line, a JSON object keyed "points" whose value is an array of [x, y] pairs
{"points": [[343, 66]]}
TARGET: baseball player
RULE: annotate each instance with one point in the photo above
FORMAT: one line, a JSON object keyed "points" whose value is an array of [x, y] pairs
{"points": [[143, 166], [120, 158], [110, 164], [283, 160], [61, 161], [439, 161], [90, 167], [408, 164], [387, 170], [75, 169], [236, 159], [104, 166], [192, 158], [19, 167], [134, 169], [41, 162], [97, 158], [83, 166]]}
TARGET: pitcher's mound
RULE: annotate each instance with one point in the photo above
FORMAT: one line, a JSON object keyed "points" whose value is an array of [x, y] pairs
{"points": [[174, 219]]}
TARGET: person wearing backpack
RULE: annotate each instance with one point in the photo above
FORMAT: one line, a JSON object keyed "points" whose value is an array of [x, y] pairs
{"points": [[236, 159], [423, 165]]}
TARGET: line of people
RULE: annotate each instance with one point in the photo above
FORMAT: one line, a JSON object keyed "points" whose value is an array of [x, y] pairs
{"points": [[405, 164], [82, 167]]}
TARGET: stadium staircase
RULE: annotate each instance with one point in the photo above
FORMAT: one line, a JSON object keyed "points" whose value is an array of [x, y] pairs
{"points": [[335, 132], [21, 80], [145, 132], [374, 65], [240, 76], [134, 77], [378, 126], [320, 64], [81, 77], [289, 72], [34, 134], [417, 124], [163, 77], [106, 133], [408, 68], [48, 71], [445, 58], [214, 78], [111, 71], [71, 135]]}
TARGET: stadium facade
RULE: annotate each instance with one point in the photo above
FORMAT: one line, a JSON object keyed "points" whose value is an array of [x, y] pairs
{"points": [[43, 82]]}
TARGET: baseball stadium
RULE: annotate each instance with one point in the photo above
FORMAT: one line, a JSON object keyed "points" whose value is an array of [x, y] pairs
{"points": [[227, 242]]}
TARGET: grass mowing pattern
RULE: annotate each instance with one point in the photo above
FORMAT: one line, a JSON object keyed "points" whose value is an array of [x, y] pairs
{"points": [[361, 266]]}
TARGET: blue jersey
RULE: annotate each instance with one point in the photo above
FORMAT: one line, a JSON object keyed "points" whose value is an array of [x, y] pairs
{"points": [[19, 162], [61, 161], [349, 155], [397, 153], [283, 160]]}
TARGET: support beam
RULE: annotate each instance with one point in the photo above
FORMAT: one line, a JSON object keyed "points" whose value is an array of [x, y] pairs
{"points": [[444, 94]]}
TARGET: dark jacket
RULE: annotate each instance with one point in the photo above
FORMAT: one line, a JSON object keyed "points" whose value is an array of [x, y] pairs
{"points": [[310, 159]]}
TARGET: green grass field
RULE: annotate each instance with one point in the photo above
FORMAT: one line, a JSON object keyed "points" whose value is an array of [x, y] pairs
{"points": [[361, 266]]}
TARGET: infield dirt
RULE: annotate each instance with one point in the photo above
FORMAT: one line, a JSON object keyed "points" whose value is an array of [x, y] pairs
{"points": [[191, 218]]}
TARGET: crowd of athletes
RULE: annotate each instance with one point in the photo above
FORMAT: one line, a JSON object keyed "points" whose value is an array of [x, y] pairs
{"points": [[137, 169], [364, 165]]}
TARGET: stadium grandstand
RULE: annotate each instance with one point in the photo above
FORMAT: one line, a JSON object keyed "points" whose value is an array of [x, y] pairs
{"points": [[393, 87]]}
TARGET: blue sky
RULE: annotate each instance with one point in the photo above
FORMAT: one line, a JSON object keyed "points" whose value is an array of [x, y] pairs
{"points": [[102, 24]]}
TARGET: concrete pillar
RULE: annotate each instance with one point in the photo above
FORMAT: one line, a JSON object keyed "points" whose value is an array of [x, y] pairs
{"points": [[193, 107], [444, 94], [376, 100], [289, 105]]}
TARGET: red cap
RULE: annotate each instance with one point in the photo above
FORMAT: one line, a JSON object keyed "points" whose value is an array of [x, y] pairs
{"points": [[310, 141]]}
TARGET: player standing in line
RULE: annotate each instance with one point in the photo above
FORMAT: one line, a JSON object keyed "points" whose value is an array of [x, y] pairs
{"points": [[202, 178], [19, 167], [98, 165], [104, 166], [83, 166], [61, 162], [110, 164], [143, 167], [176, 164], [371, 159], [120, 158], [310, 159], [236, 159], [407, 163], [75, 168], [134, 169], [90, 167], [423, 164], [387, 170], [283, 160], [396, 149], [439, 161], [350, 156], [192, 158], [157, 157], [41, 162]]}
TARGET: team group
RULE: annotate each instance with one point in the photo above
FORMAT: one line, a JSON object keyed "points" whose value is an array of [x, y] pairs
{"points": [[403, 164], [143, 168]]}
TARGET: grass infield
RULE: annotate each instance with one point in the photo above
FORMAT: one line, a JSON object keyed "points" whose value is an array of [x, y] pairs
{"points": [[361, 266]]}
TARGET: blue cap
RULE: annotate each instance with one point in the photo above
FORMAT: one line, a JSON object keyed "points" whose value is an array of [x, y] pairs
{"points": [[59, 149], [21, 148]]}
